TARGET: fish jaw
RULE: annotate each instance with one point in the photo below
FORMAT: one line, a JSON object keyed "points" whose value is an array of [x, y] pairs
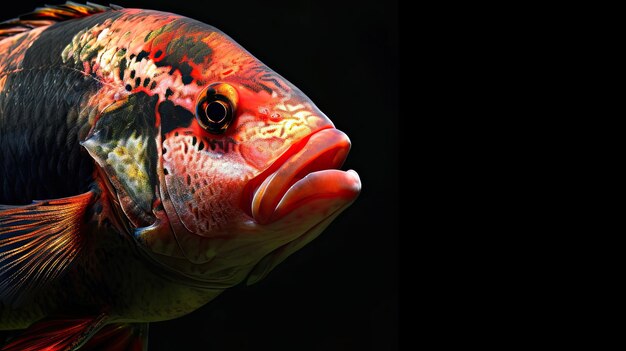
{"points": [[283, 209], [308, 179], [302, 196]]}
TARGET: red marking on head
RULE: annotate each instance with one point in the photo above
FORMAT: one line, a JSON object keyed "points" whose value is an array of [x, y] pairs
{"points": [[86, 68]]}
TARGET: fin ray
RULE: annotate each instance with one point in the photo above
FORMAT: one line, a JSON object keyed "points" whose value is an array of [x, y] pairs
{"points": [[64, 334], [37, 243], [50, 14], [119, 337]]}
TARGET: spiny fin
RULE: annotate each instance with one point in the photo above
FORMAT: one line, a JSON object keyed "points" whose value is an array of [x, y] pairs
{"points": [[61, 334], [37, 243], [44, 16], [119, 337]]}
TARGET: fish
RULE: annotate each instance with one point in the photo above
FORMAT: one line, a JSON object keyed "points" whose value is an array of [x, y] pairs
{"points": [[148, 163]]}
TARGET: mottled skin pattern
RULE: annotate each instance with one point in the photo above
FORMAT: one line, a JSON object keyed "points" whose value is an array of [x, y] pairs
{"points": [[46, 161], [107, 103]]}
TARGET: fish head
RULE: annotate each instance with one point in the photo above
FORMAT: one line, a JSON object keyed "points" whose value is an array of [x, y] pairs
{"points": [[245, 167], [255, 171], [251, 158]]}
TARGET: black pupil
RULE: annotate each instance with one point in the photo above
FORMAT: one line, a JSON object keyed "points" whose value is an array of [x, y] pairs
{"points": [[216, 111]]}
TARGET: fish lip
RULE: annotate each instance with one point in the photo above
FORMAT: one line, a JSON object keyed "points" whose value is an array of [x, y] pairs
{"points": [[307, 170]]}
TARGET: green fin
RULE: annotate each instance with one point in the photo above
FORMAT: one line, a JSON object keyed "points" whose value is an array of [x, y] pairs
{"points": [[123, 143], [58, 334], [38, 242], [44, 16], [119, 337]]}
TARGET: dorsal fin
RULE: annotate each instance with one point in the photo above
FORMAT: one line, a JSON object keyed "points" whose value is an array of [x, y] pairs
{"points": [[49, 14]]}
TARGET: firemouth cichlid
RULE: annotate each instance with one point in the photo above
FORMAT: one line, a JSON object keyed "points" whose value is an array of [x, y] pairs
{"points": [[147, 163]]}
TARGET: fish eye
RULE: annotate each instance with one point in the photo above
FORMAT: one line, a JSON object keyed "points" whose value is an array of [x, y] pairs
{"points": [[216, 111], [216, 107], [214, 114]]}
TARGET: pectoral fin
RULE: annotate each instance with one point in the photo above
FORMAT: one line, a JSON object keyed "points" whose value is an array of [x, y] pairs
{"points": [[38, 242], [119, 337], [60, 334]]}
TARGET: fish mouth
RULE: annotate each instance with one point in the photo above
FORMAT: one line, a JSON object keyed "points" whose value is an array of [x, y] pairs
{"points": [[307, 171]]}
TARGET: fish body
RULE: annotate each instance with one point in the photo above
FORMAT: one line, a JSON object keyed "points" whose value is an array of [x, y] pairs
{"points": [[147, 163]]}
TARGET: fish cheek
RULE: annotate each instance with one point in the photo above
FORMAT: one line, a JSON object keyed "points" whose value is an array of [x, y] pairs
{"points": [[123, 143], [204, 179]]}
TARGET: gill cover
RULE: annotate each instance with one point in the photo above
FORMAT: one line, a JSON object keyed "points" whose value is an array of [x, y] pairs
{"points": [[123, 143]]}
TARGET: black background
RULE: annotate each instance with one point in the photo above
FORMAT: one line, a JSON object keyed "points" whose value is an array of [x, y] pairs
{"points": [[341, 291]]}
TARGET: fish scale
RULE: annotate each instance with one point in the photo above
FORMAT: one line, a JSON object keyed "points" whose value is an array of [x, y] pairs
{"points": [[43, 160], [147, 164]]}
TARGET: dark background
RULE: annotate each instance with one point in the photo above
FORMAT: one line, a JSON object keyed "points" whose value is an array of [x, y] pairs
{"points": [[341, 291]]}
